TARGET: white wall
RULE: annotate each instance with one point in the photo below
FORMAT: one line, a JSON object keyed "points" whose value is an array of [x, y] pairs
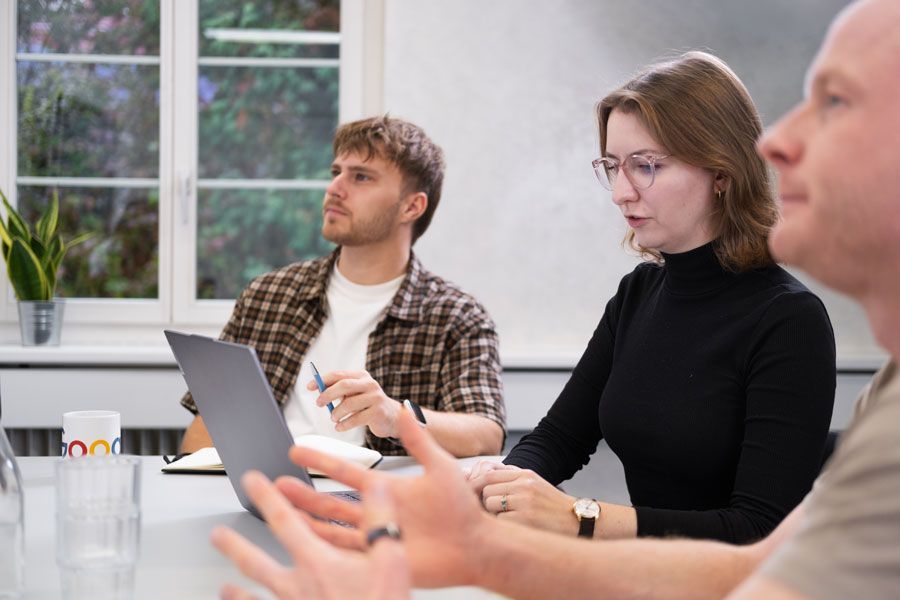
{"points": [[508, 87]]}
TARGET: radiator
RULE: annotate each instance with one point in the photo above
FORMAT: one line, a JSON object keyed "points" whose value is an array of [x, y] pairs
{"points": [[47, 442]]}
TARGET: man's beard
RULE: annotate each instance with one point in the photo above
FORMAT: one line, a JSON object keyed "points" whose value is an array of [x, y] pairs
{"points": [[377, 229]]}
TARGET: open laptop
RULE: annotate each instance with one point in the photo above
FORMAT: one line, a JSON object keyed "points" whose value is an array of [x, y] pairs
{"points": [[235, 400]]}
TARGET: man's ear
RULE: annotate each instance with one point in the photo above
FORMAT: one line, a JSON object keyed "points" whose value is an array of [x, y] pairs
{"points": [[414, 206]]}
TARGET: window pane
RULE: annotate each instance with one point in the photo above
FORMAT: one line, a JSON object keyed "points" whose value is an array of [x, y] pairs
{"points": [[266, 122], [88, 120], [95, 27], [122, 259], [244, 233], [222, 20]]}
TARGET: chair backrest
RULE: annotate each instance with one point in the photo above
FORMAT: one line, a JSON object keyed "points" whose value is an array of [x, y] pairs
{"points": [[830, 444]]}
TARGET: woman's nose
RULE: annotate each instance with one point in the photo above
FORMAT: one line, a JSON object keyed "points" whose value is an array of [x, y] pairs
{"points": [[623, 191]]}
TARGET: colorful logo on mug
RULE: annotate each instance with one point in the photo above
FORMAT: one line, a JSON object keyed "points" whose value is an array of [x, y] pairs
{"points": [[96, 448]]}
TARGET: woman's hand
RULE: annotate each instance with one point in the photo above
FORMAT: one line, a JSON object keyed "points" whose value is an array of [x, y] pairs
{"points": [[476, 475], [523, 496]]}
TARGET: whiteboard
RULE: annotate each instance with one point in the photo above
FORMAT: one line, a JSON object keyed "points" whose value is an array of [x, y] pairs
{"points": [[508, 87]]}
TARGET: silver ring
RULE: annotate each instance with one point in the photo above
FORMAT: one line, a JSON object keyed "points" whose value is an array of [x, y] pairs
{"points": [[504, 503], [389, 530]]}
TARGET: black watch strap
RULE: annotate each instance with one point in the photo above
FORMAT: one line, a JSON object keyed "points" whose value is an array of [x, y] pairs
{"points": [[586, 527], [416, 410]]}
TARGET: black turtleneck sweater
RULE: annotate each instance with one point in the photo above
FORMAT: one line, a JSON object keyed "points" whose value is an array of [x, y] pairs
{"points": [[714, 389]]}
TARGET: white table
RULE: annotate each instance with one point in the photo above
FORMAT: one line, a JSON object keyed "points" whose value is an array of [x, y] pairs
{"points": [[178, 512]]}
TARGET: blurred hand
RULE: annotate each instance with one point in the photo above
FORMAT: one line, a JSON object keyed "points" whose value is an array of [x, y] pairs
{"points": [[362, 402], [476, 475], [442, 523], [522, 496], [320, 569]]}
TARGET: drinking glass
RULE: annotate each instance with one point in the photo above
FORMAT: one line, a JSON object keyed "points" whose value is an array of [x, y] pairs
{"points": [[98, 525]]}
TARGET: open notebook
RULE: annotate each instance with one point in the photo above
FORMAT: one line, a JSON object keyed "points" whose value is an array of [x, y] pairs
{"points": [[206, 460]]}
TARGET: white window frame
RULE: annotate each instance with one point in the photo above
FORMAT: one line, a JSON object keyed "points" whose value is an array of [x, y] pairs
{"points": [[117, 320]]}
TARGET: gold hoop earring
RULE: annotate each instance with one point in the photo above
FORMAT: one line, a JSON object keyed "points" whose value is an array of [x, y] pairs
{"points": [[719, 194]]}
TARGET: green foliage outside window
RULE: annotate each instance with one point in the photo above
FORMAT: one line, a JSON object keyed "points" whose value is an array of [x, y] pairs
{"points": [[244, 233], [102, 120]]}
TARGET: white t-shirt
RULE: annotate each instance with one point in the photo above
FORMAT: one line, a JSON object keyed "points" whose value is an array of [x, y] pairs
{"points": [[353, 312]]}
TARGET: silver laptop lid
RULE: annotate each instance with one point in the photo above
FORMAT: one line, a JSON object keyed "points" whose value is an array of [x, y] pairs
{"points": [[235, 400]]}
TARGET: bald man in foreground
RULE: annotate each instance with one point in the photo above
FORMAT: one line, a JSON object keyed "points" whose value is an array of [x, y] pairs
{"points": [[836, 154]]}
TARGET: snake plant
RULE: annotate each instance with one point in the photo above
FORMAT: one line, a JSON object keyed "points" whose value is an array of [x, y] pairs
{"points": [[33, 257]]}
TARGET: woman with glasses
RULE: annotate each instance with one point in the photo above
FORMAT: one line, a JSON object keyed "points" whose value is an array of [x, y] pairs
{"points": [[712, 372]]}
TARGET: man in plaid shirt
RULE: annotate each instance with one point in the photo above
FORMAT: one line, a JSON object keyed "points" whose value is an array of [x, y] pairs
{"points": [[397, 331]]}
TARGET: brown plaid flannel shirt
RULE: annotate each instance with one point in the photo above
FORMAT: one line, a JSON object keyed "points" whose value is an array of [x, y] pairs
{"points": [[434, 345]]}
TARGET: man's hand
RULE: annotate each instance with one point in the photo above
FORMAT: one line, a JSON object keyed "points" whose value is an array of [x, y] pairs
{"points": [[444, 529], [196, 436], [320, 569], [362, 403]]}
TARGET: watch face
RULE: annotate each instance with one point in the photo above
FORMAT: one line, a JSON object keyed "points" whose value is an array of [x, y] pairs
{"points": [[586, 508]]}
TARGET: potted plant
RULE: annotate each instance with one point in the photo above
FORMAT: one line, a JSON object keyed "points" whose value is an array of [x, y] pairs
{"points": [[32, 262]]}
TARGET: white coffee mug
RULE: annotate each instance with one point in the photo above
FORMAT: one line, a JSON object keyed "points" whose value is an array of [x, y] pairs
{"points": [[91, 433]]}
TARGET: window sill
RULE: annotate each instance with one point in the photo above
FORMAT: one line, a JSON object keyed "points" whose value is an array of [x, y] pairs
{"points": [[88, 355], [153, 354]]}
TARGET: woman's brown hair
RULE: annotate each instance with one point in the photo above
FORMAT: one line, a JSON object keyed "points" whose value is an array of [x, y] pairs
{"points": [[701, 113]]}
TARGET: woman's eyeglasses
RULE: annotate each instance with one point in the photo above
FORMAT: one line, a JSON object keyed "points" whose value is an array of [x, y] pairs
{"points": [[640, 169]]}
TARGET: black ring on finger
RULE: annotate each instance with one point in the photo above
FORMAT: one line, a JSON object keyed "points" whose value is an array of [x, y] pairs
{"points": [[389, 530]]}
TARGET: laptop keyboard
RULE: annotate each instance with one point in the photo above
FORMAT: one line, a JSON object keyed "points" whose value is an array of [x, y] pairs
{"points": [[349, 495]]}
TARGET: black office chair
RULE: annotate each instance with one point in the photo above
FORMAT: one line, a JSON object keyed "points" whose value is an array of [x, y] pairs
{"points": [[830, 443]]}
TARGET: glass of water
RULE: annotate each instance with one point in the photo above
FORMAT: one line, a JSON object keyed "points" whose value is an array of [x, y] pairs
{"points": [[98, 525]]}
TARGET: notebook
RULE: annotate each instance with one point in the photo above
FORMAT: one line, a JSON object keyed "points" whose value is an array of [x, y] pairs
{"points": [[206, 460]]}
